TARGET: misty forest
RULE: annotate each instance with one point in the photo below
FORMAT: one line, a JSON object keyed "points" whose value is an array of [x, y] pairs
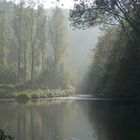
{"points": [[69, 70], [34, 48]]}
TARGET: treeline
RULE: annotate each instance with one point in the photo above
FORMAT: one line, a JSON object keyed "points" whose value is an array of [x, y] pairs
{"points": [[116, 61], [115, 69], [33, 46]]}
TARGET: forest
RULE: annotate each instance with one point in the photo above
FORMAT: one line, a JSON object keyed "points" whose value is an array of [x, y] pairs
{"points": [[35, 41], [34, 71], [33, 51], [114, 72]]}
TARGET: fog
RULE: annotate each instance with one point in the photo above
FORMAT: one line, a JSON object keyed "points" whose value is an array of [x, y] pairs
{"points": [[81, 44], [52, 83]]}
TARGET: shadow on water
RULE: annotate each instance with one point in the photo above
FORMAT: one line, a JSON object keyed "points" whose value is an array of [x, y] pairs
{"points": [[115, 120], [72, 120]]}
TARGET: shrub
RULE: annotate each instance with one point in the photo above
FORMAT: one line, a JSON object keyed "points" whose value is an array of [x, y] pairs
{"points": [[23, 96], [5, 136], [34, 96]]}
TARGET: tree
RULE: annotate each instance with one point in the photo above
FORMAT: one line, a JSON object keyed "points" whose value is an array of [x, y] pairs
{"points": [[105, 60], [26, 48], [56, 72], [59, 36], [18, 31], [115, 66], [42, 35], [33, 24], [110, 12], [4, 40], [33, 37], [3, 47]]}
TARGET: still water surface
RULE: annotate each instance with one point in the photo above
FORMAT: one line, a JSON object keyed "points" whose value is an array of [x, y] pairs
{"points": [[71, 120]]}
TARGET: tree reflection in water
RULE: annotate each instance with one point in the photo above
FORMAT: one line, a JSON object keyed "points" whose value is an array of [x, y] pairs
{"points": [[72, 120], [115, 120]]}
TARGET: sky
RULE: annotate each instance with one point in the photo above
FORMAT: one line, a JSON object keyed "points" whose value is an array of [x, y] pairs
{"points": [[65, 4]]}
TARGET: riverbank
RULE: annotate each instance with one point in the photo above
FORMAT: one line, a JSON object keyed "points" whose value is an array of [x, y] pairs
{"points": [[20, 93]]}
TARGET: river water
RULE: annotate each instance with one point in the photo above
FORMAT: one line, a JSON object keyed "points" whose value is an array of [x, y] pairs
{"points": [[71, 119]]}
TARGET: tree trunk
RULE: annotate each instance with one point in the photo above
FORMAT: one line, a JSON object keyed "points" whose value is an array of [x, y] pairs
{"points": [[42, 61], [2, 40], [25, 63], [19, 44], [33, 42], [32, 66], [19, 52]]}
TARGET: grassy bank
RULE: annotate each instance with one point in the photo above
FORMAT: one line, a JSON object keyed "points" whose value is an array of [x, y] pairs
{"points": [[16, 92]]}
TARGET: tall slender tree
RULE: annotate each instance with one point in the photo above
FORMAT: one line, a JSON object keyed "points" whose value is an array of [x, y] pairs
{"points": [[58, 31], [4, 40], [18, 31], [42, 35], [2, 16]]}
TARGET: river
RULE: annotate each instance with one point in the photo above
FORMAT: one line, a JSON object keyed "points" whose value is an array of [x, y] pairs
{"points": [[71, 119]]}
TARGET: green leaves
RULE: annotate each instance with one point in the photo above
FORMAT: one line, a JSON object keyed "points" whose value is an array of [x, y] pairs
{"points": [[109, 12]]}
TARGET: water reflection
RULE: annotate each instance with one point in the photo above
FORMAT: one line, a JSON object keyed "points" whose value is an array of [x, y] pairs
{"points": [[53, 120], [71, 120], [115, 120]]}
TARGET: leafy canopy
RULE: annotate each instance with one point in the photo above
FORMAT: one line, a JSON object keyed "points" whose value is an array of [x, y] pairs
{"points": [[87, 13]]}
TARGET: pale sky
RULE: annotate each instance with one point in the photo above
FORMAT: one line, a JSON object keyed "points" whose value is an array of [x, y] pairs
{"points": [[67, 4], [63, 3]]}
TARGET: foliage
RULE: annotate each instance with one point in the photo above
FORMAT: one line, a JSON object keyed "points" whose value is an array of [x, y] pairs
{"points": [[109, 12], [115, 68], [57, 74], [4, 40], [43, 93], [22, 96], [5, 136], [33, 46]]}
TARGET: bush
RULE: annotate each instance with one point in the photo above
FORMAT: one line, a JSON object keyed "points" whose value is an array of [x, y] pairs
{"points": [[23, 96], [5, 136], [34, 96]]}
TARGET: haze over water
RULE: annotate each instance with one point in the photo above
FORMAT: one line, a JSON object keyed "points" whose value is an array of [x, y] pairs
{"points": [[71, 120]]}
